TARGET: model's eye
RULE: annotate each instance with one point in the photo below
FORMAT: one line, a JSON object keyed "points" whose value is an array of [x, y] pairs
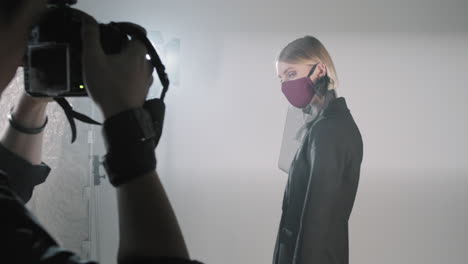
{"points": [[291, 75]]}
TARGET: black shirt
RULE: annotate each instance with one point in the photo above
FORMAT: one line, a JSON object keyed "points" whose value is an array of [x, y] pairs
{"points": [[22, 238]]}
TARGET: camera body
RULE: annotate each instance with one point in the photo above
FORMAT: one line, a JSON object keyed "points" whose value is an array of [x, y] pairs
{"points": [[53, 60]]}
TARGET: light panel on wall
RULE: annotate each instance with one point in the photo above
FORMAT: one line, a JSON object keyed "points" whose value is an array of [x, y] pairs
{"points": [[172, 60]]}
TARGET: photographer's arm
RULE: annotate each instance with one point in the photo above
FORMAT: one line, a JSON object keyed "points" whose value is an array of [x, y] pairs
{"points": [[148, 226], [20, 152], [28, 112]]}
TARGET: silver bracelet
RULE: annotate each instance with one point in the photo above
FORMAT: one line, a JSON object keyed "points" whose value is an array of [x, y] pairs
{"points": [[25, 130]]}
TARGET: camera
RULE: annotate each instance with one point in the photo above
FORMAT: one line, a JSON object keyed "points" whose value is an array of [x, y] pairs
{"points": [[52, 63], [53, 60]]}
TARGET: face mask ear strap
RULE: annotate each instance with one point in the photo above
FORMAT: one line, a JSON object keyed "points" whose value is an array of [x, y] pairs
{"points": [[312, 70], [321, 86]]}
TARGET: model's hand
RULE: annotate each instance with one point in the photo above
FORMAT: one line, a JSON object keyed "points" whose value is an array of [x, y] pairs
{"points": [[115, 82]]}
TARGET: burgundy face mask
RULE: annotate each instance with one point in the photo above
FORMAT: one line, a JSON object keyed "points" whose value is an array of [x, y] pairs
{"points": [[300, 92]]}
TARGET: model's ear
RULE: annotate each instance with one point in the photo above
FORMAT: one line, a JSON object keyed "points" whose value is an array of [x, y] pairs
{"points": [[322, 70]]}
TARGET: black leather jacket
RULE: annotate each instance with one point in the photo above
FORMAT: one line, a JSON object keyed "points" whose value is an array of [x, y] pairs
{"points": [[321, 189]]}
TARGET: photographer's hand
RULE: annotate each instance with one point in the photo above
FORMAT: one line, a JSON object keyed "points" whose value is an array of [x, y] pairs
{"points": [[115, 82], [148, 225]]}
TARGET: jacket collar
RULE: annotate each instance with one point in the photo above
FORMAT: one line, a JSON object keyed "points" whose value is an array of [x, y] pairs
{"points": [[337, 106]]}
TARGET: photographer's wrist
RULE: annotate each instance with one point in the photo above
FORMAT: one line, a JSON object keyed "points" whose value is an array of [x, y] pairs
{"points": [[113, 108], [30, 115], [129, 139]]}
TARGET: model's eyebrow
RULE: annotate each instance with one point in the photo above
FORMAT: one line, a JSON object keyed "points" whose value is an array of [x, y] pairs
{"points": [[285, 71]]}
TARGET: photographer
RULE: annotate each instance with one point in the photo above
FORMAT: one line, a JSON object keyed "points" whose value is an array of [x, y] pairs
{"points": [[149, 232]]}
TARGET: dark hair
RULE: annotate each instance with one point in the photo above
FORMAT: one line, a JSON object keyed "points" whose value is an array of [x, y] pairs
{"points": [[8, 9]]}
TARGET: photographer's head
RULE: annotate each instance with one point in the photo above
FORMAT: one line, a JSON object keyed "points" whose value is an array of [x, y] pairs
{"points": [[16, 19], [306, 71]]}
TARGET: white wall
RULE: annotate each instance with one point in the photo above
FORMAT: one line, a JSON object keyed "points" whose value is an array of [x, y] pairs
{"points": [[406, 92], [403, 73]]}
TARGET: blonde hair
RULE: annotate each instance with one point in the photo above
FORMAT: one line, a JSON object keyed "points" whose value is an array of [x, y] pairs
{"points": [[309, 50]]}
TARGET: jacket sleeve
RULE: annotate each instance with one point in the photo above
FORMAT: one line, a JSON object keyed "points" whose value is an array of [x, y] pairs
{"points": [[22, 176], [326, 167]]}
